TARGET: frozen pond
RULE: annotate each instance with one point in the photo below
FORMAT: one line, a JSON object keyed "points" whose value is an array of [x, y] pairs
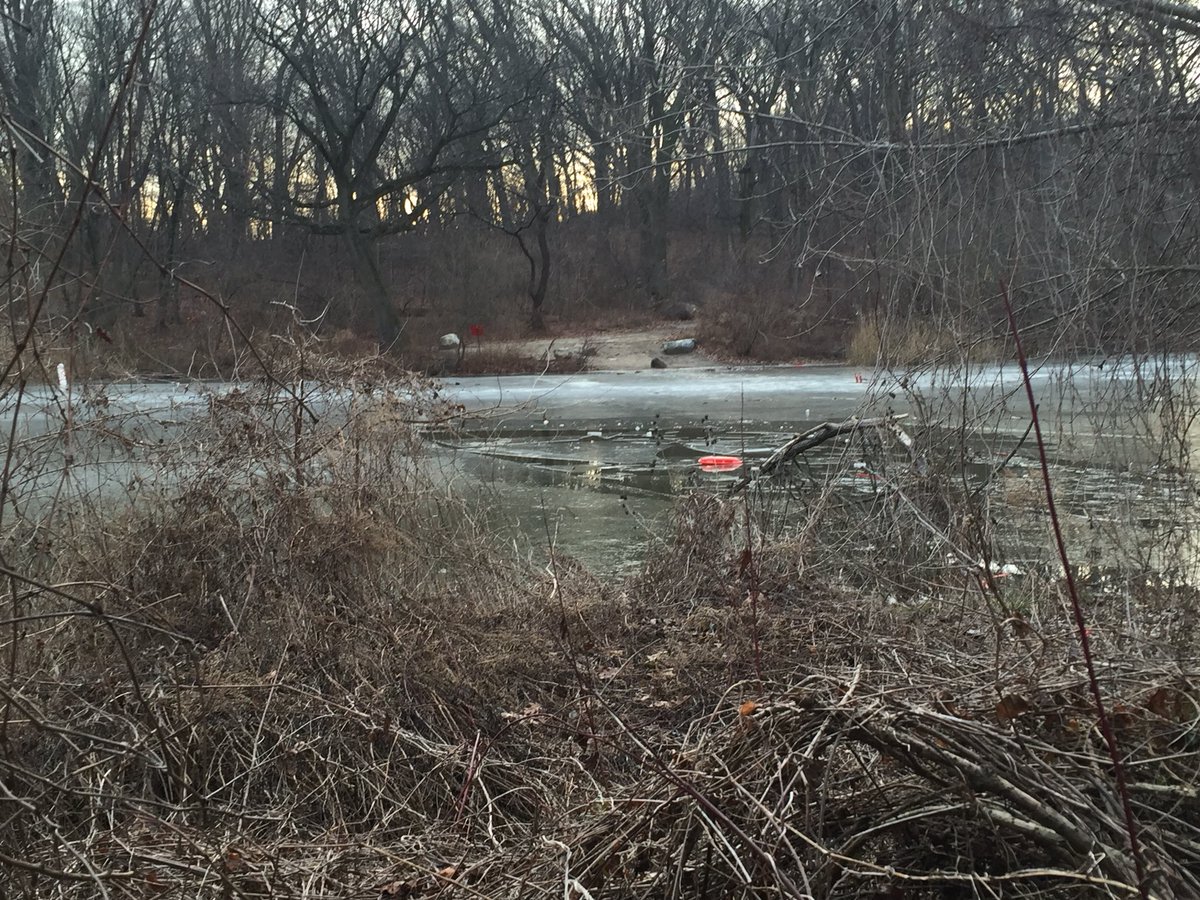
{"points": [[593, 462]]}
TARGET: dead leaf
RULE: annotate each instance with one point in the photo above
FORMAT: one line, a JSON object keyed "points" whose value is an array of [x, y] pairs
{"points": [[155, 884], [1010, 707], [1123, 716], [1167, 703], [448, 873], [1021, 628], [747, 708]]}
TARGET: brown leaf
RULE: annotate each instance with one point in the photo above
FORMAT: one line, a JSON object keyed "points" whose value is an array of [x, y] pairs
{"points": [[448, 873], [747, 708], [1123, 716], [155, 885], [1165, 702], [1020, 627], [1010, 707], [1157, 702]]}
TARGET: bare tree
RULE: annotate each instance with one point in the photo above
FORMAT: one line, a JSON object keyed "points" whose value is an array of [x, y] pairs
{"points": [[644, 68], [386, 97], [30, 91], [920, 147]]}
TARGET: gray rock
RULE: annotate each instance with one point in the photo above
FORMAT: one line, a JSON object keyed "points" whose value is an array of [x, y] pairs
{"points": [[449, 341], [657, 363], [674, 348]]}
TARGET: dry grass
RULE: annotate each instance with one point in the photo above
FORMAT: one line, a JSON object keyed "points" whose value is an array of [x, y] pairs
{"points": [[914, 342], [300, 637], [295, 667]]}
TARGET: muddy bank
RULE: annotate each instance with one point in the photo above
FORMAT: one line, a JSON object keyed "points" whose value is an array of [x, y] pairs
{"points": [[608, 351]]}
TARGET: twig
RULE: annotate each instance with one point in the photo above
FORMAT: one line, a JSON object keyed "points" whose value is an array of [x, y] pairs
{"points": [[1081, 629]]}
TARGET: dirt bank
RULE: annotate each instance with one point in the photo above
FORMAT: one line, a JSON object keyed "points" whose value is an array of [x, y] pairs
{"points": [[613, 351]]}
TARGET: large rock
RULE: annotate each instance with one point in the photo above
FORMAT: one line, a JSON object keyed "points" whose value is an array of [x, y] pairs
{"points": [[674, 348], [449, 341]]}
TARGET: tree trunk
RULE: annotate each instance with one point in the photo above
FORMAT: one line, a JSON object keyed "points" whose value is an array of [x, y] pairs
{"points": [[605, 199], [168, 296], [541, 280], [748, 184], [389, 327], [654, 237], [720, 160]]}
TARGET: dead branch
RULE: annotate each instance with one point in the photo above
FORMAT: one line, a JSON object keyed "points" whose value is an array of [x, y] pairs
{"points": [[814, 437]]}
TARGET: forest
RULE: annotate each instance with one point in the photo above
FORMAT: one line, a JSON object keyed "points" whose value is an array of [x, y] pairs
{"points": [[808, 173]]}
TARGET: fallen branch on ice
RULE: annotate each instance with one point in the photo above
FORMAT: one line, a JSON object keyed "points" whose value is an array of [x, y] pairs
{"points": [[815, 437]]}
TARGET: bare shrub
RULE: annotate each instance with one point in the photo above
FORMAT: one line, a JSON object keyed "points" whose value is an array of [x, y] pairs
{"points": [[294, 631]]}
